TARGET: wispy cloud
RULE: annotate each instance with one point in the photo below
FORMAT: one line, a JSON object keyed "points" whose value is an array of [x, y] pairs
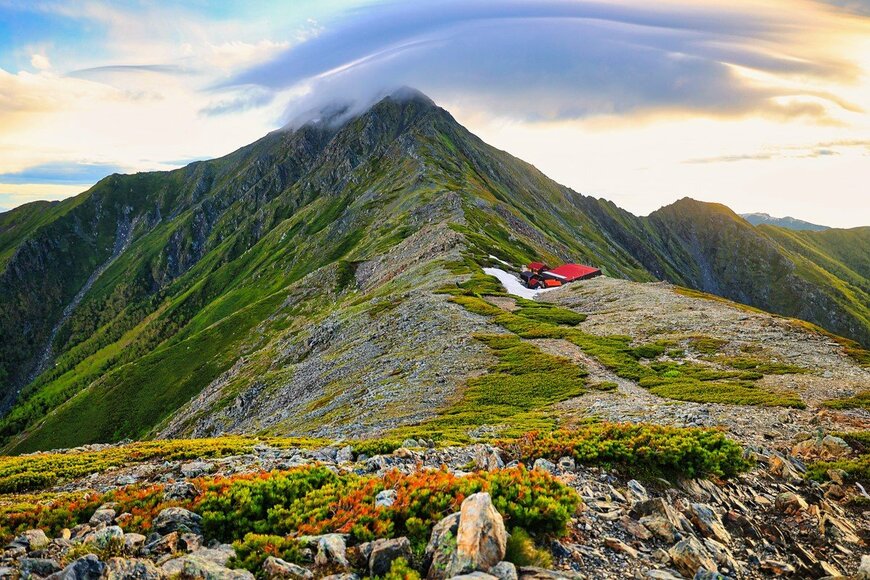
{"points": [[246, 99], [559, 59], [62, 173], [814, 151]]}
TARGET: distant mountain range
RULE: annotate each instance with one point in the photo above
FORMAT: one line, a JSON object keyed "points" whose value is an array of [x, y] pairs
{"points": [[786, 222], [291, 286]]}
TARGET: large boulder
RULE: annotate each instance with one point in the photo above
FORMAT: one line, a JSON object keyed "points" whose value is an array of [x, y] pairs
{"points": [[504, 571], [276, 568], [180, 490], [708, 522], [439, 550], [828, 447], [104, 515], [30, 540], [331, 549], [41, 567], [176, 519], [790, 503], [689, 554], [385, 551], [219, 555], [85, 568], [487, 457], [481, 538], [107, 536], [195, 568], [658, 517]]}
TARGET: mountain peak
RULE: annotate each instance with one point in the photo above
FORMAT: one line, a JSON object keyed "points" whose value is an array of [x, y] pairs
{"points": [[788, 222], [337, 112]]}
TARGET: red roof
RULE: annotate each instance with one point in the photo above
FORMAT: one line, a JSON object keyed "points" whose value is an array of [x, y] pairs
{"points": [[536, 266], [570, 272]]}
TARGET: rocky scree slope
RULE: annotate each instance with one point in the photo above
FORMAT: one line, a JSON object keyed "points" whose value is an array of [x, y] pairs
{"points": [[279, 287], [443, 512]]}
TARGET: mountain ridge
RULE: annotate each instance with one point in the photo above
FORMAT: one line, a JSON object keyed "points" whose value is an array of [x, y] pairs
{"points": [[788, 222], [236, 271]]}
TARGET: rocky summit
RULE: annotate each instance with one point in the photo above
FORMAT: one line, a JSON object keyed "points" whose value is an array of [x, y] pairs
{"points": [[314, 358]]}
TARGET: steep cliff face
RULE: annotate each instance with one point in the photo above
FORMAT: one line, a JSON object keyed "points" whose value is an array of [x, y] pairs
{"points": [[297, 275]]}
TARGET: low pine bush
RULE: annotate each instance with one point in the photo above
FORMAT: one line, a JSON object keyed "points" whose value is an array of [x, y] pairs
{"points": [[860, 400], [639, 450], [253, 549], [262, 513]]}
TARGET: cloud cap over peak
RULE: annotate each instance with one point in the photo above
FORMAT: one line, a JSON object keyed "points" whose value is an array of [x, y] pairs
{"points": [[560, 59]]}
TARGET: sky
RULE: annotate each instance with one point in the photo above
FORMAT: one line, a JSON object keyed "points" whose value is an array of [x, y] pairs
{"points": [[761, 105]]}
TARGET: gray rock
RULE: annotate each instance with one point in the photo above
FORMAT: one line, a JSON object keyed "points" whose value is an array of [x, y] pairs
{"points": [[344, 454], [131, 569], [475, 576], [133, 542], [104, 537], [487, 457], [176, 519], [331, 549], [383, 552], [535, 573], [275, 568], [219, 554], [85, 568], [442, 543], [194, 568], [126, 480], [38, 566], [385, 498], [863, 572], [504, 571], [567, 464], [708, 522], [638, 490], [662, 575], [409, 443], [30, 540], [102, 516], [542, 464], [180, 490], [196, 468]]}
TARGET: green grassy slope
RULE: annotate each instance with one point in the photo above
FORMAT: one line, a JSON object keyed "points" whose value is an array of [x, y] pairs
{"points": [[199, 261], [816, 276]]}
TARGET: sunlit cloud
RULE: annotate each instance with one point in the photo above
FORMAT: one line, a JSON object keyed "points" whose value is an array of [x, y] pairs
{"points": [[814, 151], [545, 60]]}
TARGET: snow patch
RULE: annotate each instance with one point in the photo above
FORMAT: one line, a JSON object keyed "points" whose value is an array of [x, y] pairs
{"points": [[513, 285], [497, 259]]}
